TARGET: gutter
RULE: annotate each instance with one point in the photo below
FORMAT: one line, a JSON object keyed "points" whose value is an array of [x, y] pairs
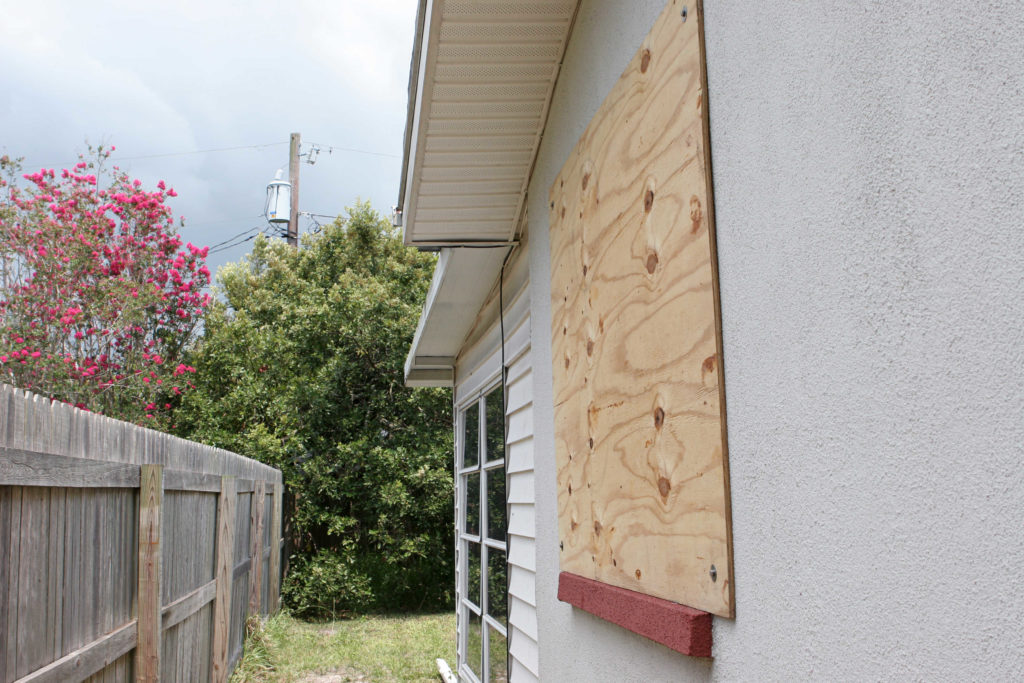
{"points": [[422, 371], [414, 86]]}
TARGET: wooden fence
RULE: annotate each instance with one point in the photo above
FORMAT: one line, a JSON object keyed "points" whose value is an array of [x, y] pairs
{"points": [[127, 554]]}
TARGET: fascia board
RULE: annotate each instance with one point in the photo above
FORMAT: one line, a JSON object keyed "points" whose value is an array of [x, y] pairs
{"points": [[462, 280], [424, 94]]}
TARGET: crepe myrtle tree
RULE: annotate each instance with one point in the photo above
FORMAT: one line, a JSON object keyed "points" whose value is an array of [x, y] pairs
{"points": [[99, 298]]}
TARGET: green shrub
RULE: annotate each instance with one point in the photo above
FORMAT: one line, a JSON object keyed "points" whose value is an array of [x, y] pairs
{"points": [[301, 367], [326, 585]]}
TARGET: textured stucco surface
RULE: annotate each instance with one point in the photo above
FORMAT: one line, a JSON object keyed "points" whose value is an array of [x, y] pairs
{"points": [[869, 189]]}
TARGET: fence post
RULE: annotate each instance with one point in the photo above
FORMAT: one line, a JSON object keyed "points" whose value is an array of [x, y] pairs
{"points": [[274, 593], [147, 652], [259, 498], [225, 560]]}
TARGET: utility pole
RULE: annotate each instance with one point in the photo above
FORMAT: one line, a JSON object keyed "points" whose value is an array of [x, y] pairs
{"points": [[293, 178]]}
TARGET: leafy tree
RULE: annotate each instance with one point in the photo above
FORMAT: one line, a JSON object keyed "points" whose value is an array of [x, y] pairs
{"points": [[98, 298], [302, 369]]}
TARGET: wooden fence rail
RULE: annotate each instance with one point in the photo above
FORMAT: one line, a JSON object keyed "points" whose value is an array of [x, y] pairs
{"points": [[127, 554]]}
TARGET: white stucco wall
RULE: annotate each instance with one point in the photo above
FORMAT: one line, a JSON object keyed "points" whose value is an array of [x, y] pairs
{"points": [[869, 188]]}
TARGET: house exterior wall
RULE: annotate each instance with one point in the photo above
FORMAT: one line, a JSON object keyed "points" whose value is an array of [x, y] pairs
{"points": [[479, 367], [522, 530], [869, 191]]}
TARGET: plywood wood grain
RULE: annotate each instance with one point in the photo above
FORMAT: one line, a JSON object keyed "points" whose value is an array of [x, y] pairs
{"points": [[639, 405]]}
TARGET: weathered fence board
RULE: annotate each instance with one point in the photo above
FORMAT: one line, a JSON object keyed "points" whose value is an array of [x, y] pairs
{"points": [[274, 587], [225, 560], [180, 609], [32, 468], [76, 490], [86, 661], [175, 480], [256, 552], [147, 651]]}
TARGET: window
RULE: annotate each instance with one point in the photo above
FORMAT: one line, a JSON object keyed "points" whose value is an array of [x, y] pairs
{"points": [[482, 547]]}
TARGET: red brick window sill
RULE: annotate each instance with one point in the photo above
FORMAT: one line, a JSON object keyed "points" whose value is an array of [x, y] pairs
{"points": [[675, 626]]}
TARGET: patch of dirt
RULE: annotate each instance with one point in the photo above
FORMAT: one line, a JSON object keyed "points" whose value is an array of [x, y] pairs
{"points": [[339, 676]]}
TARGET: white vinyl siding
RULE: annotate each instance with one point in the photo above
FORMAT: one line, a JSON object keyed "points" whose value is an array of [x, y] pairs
{"points": [[477, 373], [521, 532], [522, 616]]}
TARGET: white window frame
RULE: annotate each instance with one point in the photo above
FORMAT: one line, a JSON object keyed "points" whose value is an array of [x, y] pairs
{"points": [[484, 467]]}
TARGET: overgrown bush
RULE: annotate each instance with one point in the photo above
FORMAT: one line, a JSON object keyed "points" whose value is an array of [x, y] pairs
{"points": [[327, 585], [303, 369]]}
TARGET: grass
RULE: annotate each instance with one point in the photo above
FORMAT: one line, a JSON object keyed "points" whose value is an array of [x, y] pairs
{"points": [[367, 648]]}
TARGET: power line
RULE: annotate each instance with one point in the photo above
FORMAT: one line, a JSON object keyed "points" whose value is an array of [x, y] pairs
{"points": [[234, 237], [238, 239], [316, 145], [332, 148], [198, 151], [233, 244]]}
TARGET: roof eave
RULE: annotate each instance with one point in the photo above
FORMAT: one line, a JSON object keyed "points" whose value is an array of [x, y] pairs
{"points": [[460, 285]]}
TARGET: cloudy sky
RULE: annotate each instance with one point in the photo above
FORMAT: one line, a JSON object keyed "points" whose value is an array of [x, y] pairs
{"points": [[163, 81]]}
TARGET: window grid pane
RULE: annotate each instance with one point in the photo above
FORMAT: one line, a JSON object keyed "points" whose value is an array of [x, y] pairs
{"points": [[497, 515], [474, 643], [497, 585], [495, 415], [471, 436], [473, 577], [497, 651], [471, 485]]}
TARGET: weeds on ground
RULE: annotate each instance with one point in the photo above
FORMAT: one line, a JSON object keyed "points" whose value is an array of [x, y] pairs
{"points": [[258, 656], [378, 648]]}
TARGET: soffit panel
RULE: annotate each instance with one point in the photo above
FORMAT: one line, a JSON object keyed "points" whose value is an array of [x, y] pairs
{"points": [[481, 230], [469, 173], [479, 142], [480, 200], [475, 187], [488, 75], [468, 124]]}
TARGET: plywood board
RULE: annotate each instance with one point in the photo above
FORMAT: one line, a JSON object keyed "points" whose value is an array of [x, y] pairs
{"points": [[643, 489]]}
